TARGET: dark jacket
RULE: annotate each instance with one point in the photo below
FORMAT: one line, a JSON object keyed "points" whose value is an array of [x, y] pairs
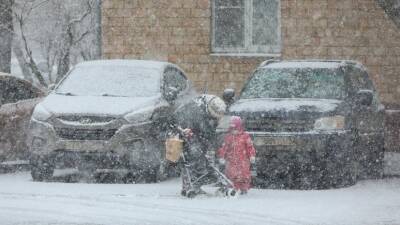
{"points": [[193, 115]]}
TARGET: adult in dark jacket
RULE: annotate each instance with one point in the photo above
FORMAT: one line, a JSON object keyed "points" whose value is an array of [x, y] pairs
{"points": [[199, 119]]}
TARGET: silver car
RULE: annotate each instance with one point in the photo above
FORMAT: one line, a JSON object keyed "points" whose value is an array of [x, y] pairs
{"points": [[107, 114]]}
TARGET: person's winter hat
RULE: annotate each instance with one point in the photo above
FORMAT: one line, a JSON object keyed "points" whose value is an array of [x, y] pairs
{"points": [[216, 107]]}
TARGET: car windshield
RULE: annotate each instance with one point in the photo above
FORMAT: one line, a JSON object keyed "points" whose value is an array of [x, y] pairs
{"points": [[321, 83], [111, 80]]}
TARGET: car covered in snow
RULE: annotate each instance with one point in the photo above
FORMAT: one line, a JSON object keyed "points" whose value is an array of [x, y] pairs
{"points": [[18, 97], [315, 124], [108, 115]]}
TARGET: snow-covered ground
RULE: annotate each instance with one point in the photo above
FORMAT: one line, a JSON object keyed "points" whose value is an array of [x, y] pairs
{"points": [[25, 202]]}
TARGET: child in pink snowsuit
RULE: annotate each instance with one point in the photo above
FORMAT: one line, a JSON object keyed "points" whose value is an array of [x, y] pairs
{"points": [[237, 154]]}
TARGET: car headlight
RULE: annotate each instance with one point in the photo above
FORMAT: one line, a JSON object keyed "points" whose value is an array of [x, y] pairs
{"points": [[41, 114], [329, 123], [139, 116]]}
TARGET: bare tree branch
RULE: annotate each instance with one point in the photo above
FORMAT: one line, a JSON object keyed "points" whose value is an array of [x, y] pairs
{"points": [[31, 62], [6, 31], [60, 31], [81, 37], [22, 61], [86, 14]]}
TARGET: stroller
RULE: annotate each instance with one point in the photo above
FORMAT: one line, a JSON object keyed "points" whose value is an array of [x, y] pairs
{"points": [[196, 169]]}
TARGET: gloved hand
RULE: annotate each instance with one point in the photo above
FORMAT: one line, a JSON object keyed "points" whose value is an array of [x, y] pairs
{"points": [[252, 160], [188, 132], [221, 161]]}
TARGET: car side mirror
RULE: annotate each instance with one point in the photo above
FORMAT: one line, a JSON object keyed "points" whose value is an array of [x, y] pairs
{"points": [[171, 94], [228, 95], [364, 97]]}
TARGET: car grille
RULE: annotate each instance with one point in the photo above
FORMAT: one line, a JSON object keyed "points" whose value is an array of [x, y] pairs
{"points": [[278, 125], [87, 119], [85, 134]]}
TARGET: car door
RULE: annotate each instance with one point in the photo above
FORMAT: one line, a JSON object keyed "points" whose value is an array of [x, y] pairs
{"points": [[18, 99], [368, 126]]}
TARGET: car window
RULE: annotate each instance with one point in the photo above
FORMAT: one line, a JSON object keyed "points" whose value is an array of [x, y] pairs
{"points": [[13, 90], [360, 80], [175, 78], [321, 83]]}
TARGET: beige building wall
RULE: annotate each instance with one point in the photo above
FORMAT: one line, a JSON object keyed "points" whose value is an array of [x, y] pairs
{"points": [[179, 31]]}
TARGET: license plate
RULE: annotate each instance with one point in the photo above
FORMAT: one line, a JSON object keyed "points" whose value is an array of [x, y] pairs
{"points": [[274, 141], [72, 145], [83, 146]]}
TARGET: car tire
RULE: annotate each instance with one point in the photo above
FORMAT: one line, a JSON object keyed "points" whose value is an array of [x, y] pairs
{"points": [[156, 174], [149, 167], [147, 176], [376, 166], [138, 176], [340, 170], [377, 160], [370, 157], [42, 168]]}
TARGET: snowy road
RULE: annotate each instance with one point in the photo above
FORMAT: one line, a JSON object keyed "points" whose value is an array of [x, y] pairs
{"points": [[25, 202]]}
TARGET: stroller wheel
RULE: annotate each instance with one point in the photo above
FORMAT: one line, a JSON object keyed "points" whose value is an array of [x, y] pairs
{"points": [[191, 194], [231, 193], [183, 193]]}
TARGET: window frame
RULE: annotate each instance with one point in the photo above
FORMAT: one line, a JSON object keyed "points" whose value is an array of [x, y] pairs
{"points": [[249, 49]]}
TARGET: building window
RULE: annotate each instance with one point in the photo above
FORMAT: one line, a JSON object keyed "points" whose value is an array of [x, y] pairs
{"points": [[246, 26]]}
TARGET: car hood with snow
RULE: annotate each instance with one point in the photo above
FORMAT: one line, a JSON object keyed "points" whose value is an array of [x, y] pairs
{"points": [[97, 105], [284, 107]]}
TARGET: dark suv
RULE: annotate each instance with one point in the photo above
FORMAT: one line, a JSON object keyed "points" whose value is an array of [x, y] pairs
{"points": [[315, 124]]}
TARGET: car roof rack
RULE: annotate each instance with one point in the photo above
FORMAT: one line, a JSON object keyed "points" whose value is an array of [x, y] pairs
{"points": [[269, 61], [347, 62]]}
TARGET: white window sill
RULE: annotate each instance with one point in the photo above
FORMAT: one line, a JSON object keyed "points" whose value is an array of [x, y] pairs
{"points": [[246, 55]]}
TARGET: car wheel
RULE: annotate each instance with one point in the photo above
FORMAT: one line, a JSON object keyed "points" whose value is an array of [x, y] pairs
{"points": [[42, 168], [145, 161], [307, 179], [340, 170], [155, 174], [87, 169], [139, 176], [376, 165], [167, 170]]}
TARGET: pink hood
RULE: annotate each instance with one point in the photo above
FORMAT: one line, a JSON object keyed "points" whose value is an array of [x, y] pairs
{"points": [[236, 124]]}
